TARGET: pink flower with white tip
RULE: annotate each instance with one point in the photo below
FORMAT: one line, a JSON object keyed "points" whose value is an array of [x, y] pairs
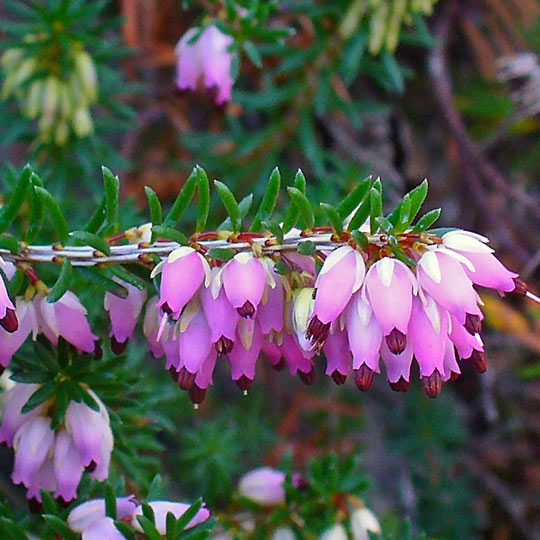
{"points": [[208, 58]]}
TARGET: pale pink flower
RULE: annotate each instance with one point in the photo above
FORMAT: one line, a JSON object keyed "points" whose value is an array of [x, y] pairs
{"points": [[151, 327], [338, 356], [82, 516], [102, 529], [124, 314], [8, 318], [10, 342], [66, 318], [207, 58], [264, 486], [68, 468], [245, 353]]}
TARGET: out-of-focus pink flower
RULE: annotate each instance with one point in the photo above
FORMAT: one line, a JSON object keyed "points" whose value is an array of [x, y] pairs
{"points": [[124, 314], [102, 529], [151, 327], [264, 486], [82, 516], [162, 508], [208, 58], [68, 468], [66, 318]]}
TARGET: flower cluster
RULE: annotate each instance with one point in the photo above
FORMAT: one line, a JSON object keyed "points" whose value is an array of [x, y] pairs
{"points": [[54, 460], [205, 55], [90, 520], [364, 305], [60, 102]]}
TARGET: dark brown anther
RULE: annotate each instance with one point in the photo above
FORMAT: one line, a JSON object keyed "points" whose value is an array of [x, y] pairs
{"points": [[166, 309], [433, 384], [247, 310], [338, 377], [478, 361], [10, 323], [401, 385], [173, 373], [117, 347], [454, 376], [317, 332], [520, 288], [396, 341], [281, 365], [2, 368], [363, 377], [91, 467], [197, 394], [244, 383], [98, 351], [62, 502], [473, 324], [224, 345], [308, 378], [186, 380], [35, 506]]}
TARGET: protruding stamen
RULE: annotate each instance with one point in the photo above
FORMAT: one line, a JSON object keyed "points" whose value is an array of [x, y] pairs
{"points": [[396, 341], [433, 384], [173, 373], [308, 378], [244, 383], [317, 332], [224, 345], [521, 288], [197, 395], [363, 377], [401, 385], [117, 347], [478, 361], [473, 324], [10, 322], [186, 380], [247, 310], [454, 376], [338, 377], [91, 467]]}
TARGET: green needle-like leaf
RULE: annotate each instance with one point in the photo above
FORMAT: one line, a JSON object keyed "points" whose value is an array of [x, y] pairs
{"points": [[183, 199], [10, 210], [303, 205], [203, 199], [87, 238], [56, 214], [333, 217], [354, 198], [62, 283], [112, 190], [156, 213], [427, 220], [268, 202], [230, 204]]}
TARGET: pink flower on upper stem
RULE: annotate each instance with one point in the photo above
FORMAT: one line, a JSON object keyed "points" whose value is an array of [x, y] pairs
{"points": [[390, 286], [488, 270], [398, 366], [245, 353], [206, 58], [344, 266], [244, 279], [264, 486], [124, 314], [270, 315], [66, 318], [182, 273], [338, 356], [162, 508]]}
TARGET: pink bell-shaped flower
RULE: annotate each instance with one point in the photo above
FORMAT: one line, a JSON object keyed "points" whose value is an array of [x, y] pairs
{"points": [[338, 356], [68, 468], [8, 317], [10, 342], [264, 486]]}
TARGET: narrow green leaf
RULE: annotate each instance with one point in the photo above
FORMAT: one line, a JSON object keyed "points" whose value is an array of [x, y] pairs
{"points": [[15, 284], [427, 220], [354, 198], [88, 399], [293, 213], [360, 238], [98, 218], [112, 191], [110, 501], [101, 277], [221, 254], [170, 526], [375, 208], [155, 490], [203, 199], [183, 199], [333, 217], [360, 216], [10, 210], [37, 211], [62, 283], [230, 204], [60, 527], [42, 394], [268, 202], [121, 273], [306, 248], [244, 205], [125, 529], [303, 205], [418, 196], [384, 225], [156, 213], [282, 268], [170, 234], [253, 53], [441, 231], [87, 238], [188, 515], [8, 242], [403, 257], [56, 213]]}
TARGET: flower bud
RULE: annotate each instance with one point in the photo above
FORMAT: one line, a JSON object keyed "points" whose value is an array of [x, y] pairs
{"points": [[264, 486], [364, 521], [336, 532]]}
